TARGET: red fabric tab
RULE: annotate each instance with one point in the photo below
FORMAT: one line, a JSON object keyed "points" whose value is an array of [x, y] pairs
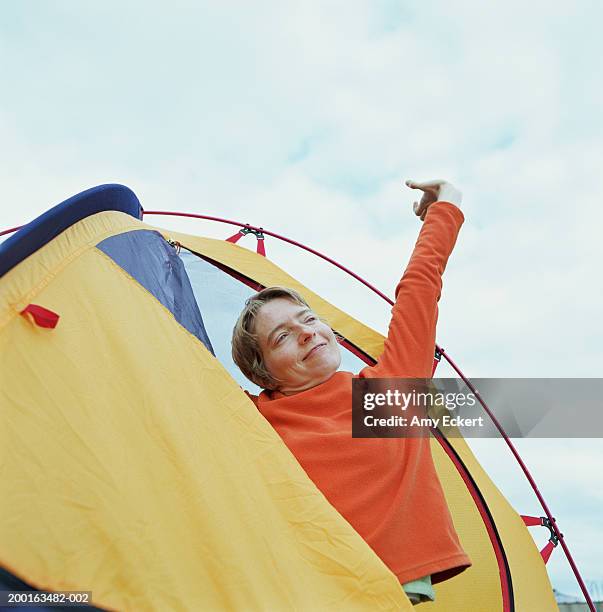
{"points": [[41, 316], [261, 249], [546, 551], [234, 237], [531, 520]]}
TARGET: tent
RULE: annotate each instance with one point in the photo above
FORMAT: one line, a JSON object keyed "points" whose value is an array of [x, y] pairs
{"points": [[135, 467]]}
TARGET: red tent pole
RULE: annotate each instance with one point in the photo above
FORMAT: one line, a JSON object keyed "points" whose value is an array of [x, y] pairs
{"points": [[274, 235], [12, 229], [530, 480]]}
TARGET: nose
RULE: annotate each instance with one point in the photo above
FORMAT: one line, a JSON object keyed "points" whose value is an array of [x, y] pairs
{"points": [[306, 334]]}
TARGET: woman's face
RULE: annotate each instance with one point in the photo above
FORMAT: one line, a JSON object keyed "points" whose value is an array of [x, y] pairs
{"points": [[298, 348]]}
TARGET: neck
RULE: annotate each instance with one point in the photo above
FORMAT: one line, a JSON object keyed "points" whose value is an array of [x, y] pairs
{"points": [[305, 387]]}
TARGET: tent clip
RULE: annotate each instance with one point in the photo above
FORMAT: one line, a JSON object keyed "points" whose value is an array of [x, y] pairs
{"points": [[436, 359], [176, 245], [546, 522], [257, 233], [554, 534]]}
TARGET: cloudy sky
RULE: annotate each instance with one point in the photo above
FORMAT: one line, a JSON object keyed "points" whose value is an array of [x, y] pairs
{"points": [[305, 118]]}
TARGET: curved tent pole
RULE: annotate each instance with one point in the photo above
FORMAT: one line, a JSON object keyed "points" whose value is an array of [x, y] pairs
{"points": [[552, 523], [11, 230], [274, 235], [442, 352]]}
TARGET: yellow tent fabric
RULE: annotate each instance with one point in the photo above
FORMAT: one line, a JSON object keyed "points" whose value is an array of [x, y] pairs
{"points": [[135, 467]]}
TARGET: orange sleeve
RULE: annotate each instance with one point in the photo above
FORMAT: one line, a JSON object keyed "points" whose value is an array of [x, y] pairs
{"points": [[410, 344]]}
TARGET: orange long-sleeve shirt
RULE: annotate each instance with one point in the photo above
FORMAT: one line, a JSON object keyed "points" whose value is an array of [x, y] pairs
{"points": [[387, 489]]}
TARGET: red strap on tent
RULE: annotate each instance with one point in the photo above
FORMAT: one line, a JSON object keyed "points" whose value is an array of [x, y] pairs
{"points": [[235, 237], [531, 520], [547, 550], [41, 316], [260, 249]]}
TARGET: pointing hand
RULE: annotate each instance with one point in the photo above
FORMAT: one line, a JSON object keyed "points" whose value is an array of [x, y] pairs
{"points": [[434, 191]]}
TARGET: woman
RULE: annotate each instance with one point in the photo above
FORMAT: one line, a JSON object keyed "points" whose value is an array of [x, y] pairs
{"points": [[387, 489]]}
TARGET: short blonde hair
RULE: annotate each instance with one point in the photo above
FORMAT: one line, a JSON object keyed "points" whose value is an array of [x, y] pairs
{"points": [[246, 351]]}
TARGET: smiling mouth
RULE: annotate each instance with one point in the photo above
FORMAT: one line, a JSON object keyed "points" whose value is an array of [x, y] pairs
{"points": [[314, 350]]}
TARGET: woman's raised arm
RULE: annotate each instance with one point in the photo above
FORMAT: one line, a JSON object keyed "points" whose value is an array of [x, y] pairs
{"points": [[410, 344]]}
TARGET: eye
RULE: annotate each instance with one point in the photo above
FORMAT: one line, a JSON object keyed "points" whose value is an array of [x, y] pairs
{"points": [[311, 319], [281, 337]]}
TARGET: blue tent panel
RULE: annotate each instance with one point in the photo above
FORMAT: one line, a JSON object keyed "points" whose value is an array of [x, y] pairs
{"points": [[147, 257]]}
